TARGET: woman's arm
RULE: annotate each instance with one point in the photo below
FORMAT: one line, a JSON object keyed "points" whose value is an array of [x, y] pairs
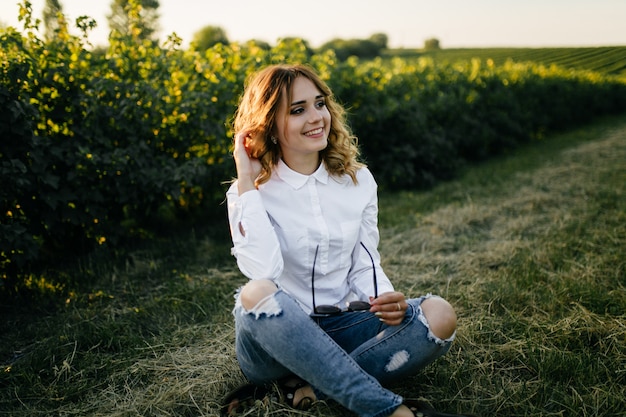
{"points": [[389, 305], [361, 273], [255, 244]]}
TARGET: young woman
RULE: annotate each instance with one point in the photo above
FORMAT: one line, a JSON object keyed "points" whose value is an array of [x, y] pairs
{"points": [[318, 317]]}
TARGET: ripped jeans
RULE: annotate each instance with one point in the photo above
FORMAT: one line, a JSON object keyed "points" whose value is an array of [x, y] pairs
{"points": [[349, 358]]}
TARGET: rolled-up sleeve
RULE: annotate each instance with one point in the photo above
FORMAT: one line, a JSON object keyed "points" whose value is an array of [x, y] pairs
{"points": [[255, 245]]}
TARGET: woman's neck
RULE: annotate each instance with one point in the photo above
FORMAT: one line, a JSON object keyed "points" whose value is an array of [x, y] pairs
{"points": [[304, 166]]}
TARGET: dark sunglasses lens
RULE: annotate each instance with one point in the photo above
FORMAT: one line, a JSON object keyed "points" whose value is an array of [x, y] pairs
{"points": [[358, 306], [327, 309]]}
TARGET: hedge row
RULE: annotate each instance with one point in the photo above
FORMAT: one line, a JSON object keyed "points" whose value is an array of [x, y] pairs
{"points": [[420, 121], [98, 148]]}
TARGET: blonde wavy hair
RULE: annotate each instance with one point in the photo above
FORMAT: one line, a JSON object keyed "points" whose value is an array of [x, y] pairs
{"points": [[257, 112]]}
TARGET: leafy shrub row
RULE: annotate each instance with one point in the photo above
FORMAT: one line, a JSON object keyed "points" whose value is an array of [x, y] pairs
{"points": [[100, 148], [420, 120]]}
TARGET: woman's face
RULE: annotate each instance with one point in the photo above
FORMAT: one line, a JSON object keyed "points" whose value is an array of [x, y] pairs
{"points": [[302, 125]]}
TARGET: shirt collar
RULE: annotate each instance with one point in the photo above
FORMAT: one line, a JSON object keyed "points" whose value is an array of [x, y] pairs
{"points": [[297, 180]]}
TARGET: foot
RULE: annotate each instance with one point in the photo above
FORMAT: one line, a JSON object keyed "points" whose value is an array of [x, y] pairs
{"points": [[296, 393], [403, 411], [241, 398]]}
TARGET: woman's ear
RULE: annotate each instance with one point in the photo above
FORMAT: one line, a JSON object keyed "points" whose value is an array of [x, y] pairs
{"points": [[274, 134]]}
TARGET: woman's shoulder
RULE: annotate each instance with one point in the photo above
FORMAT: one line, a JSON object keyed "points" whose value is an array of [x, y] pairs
{"points": [[364, 175], [362, 178], [232, 189]]}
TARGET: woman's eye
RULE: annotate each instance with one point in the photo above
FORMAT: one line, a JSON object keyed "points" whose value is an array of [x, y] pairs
{"points": [[299, 110]]}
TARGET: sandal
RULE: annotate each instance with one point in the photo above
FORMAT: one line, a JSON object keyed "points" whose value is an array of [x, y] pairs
{"points": [[240, 398], [287, 388], [423, 409]]}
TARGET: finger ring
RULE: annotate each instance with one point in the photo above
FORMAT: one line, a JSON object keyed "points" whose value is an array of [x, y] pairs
{"points": [[399, 308]]}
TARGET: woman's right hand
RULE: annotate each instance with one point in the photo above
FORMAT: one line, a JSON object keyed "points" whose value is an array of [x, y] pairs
{"points": [[248, 168]]}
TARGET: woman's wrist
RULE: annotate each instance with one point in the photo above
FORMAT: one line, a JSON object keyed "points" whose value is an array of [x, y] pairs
{"points": [[245, 184]]}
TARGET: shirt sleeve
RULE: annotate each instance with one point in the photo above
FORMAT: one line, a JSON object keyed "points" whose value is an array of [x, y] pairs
{"points": [[361, 275], [255, 245]]}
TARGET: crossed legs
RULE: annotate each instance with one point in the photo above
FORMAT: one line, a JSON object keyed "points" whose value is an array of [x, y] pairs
{"points": [[257, 296]]}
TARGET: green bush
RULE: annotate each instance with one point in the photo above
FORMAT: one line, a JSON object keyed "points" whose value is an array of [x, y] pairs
{"points": [[99, 148], [345, 48], [18, 150], [420, 121]]}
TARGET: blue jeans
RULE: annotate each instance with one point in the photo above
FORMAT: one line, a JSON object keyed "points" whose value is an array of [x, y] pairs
{"points": [[349, 358]]}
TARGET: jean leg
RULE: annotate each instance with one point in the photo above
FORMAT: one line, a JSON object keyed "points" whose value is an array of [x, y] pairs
{"points": [[400, 351], [278, 336]]}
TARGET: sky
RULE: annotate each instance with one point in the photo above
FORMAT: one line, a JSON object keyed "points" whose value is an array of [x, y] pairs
{"points": [[407, 23]]}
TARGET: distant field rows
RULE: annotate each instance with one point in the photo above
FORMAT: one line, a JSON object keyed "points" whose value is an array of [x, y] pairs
{"points": [[609, 60]]}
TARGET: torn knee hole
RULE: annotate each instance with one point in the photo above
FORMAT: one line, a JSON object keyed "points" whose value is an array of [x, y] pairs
{"points": [[254, 292], [267, 306], [440, 319]]}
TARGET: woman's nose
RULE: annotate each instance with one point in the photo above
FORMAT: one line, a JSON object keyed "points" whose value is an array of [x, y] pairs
{"points": [[316, 115]]}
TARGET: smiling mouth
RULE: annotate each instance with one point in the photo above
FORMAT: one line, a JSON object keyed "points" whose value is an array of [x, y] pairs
{"points": [[314, 132]]}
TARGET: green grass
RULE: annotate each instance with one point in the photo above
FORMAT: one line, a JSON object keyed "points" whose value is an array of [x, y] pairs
{"points": [[530, 249], [609, 60]]}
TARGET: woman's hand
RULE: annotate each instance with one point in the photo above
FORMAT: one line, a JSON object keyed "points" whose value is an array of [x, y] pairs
{"points": [[389, 307], [248, 168]]}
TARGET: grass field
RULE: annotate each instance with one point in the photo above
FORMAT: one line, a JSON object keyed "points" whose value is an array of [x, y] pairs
{"points": [[610, 60], [530, 249]]}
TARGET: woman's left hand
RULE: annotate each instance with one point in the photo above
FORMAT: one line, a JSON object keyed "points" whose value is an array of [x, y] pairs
{"points": [[389, 307]]}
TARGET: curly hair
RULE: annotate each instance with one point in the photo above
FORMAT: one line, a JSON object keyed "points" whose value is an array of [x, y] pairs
{"points": [[257, 112]]}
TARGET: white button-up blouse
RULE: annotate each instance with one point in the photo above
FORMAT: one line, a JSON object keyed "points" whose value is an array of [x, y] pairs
{"points": [[292, 216]]}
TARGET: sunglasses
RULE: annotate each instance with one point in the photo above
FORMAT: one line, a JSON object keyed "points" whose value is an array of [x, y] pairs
{"points": [[328, 310]]}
